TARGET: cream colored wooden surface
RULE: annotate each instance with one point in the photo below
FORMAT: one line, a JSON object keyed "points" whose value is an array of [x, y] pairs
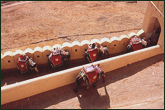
{"points": [[76, 49]]}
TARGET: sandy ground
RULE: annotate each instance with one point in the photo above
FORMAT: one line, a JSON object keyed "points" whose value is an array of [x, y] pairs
{"points": [[40, 23], [139, 85], [47, 23]]}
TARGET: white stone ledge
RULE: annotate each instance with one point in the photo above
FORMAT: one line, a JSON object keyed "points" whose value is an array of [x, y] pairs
{"points": [[65, 77], [76, 49]]}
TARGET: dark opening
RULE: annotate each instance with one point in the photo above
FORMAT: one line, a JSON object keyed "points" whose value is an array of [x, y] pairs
{"points": [[38, 56], [75, 50], [9, 61], [155, 30]]}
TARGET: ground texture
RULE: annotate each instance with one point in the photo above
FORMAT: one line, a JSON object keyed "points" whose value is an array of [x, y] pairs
{"points": [[39, 23], [139, 85]]}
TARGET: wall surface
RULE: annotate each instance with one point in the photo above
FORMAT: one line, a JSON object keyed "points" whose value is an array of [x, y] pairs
{"points": [[155, 11], [44, 83], [76, 49]]}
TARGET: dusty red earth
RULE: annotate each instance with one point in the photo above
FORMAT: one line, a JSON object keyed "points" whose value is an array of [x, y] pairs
{"points": [[39, 23], [140, 85], [47, 23]]}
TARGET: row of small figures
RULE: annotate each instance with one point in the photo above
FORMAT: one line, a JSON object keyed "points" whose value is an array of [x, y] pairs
{"points": [[88, 76], [58, 56]]}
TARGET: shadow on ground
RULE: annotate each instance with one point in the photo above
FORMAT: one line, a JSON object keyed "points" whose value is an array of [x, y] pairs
{"points": [[89, 98], [13, 75]]}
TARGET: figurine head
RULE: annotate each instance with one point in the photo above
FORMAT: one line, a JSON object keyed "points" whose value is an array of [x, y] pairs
{"points": [[93, 45], [21, 57]]}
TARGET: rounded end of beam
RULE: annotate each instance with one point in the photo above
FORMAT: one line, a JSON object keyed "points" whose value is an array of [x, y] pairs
{"points": [[112, 39], [104, 40], [75, 43], [56, 45], [66, 44], [123, 37], [46, 48], [38, 49], [132, 34], [95, 41], [85, 42], [1, 55], [28, 50], [8, 53], [18, 52], [140, 33]]}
